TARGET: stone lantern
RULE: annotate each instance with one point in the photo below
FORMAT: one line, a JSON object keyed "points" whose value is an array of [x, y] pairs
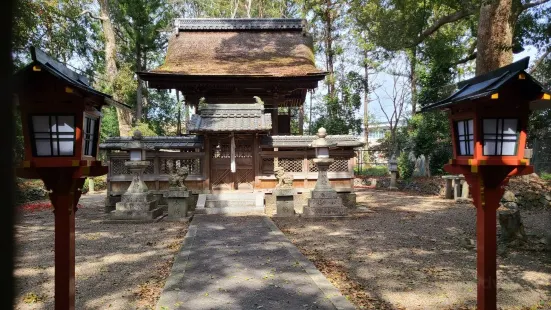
{"points": [[325, 201], [393, 169], [488, 117], [137, 203]]}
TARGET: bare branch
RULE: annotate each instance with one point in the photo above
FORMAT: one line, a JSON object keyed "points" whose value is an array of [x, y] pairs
{"points": [[472, 56], [540, 60], [92, 15], [528, 5], [443, 21]]}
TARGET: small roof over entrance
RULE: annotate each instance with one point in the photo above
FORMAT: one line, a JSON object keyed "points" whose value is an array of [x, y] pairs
{"points": [[231, 117]]}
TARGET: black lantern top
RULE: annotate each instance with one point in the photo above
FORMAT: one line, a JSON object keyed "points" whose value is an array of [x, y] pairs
{"points": [[491, 83]]}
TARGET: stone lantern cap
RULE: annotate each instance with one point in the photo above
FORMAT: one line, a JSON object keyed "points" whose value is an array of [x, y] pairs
{"points": [[321, 141]]}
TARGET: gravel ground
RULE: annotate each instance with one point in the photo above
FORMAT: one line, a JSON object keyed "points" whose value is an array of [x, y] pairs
{"points": [[413, 252], [118, 266]]}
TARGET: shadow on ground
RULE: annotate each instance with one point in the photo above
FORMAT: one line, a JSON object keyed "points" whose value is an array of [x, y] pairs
{"points": [[416, 252], [118, 266]]}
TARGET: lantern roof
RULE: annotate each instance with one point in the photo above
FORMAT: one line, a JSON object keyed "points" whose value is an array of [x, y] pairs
{"points": [[490, 83], [47, 63]]}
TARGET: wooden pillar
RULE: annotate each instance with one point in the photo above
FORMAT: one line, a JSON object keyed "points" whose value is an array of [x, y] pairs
{"points": [[256, 160], [486, 248], [487, 188], [206, 163], [301, 120], [305, 168], [64, 195], [275, 107]]}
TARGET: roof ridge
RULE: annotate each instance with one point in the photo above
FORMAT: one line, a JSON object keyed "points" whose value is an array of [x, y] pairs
{"points": [[239, 23]]}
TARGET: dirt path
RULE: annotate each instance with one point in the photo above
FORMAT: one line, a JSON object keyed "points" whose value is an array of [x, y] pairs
{"points": [[415, 252], [118, 266]]}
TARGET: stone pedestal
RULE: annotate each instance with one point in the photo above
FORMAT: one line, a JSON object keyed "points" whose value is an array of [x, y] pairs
{"points": [[285, 204], [325, 201], [177, 200], [137, 203], [393, 180]]}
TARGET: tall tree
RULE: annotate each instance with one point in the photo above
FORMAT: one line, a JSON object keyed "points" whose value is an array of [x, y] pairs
{"points": [[124, 117]]}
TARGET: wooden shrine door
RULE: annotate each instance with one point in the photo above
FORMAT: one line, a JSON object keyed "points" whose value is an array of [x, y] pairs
{"points": [[222, 179]]}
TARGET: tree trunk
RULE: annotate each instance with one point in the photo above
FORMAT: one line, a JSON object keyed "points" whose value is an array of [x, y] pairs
{"points": [[329, 49], [139, 94], [413, 79], [495, 36], [366, 102], [124, 117]]}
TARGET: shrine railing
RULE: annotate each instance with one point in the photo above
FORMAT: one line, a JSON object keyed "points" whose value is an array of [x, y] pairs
{"points": [[300, 163], [162, 165]]}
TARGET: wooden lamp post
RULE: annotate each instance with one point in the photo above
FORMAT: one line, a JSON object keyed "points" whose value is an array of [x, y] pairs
{"points": [[61, 121], [488, 119]]}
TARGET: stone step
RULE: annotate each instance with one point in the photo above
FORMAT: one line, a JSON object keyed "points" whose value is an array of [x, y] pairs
{"points": [[230, 203], [231, 210]]}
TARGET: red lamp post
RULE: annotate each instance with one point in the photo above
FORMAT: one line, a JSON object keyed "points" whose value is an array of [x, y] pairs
{"points": [[61, 121], [488, 119]]}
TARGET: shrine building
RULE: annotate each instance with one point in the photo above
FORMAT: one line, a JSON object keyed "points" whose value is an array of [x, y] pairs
{"points": [[245, 79]]}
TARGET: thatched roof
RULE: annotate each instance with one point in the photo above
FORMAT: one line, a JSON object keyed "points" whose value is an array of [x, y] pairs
{"points": [[243, 47]]}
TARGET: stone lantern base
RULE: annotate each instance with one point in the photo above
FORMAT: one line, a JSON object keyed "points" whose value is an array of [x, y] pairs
{"points": [[325, 204], [325, 201], [137, 204]]}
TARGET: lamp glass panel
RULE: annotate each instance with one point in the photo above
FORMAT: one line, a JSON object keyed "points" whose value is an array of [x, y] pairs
{"points": [[90, 125], [135, 154], [510, 126], [41, 123], [465, 137], [43, 148], [500, 137], [323, 152], [509, 148], [53, 135]]}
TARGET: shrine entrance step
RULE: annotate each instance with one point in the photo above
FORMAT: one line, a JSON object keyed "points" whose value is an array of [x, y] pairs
{"points": [[230, 203]]}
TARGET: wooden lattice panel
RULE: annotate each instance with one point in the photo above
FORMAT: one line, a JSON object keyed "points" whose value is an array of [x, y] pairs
{"points": [[170, 165], [291, 164], [245, 178], [339, 165], [118, 167], [312, 167]]}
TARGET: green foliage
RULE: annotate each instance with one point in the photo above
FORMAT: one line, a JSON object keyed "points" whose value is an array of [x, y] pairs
{"points": [[100, 183], [405, 166], [545, 176], [440, 156], [339, 114], [27, 190], [145, 128], [109, 123], [374, 171]]}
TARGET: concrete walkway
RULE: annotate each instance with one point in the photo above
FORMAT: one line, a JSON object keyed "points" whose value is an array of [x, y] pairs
{"points": [[244, 262]]}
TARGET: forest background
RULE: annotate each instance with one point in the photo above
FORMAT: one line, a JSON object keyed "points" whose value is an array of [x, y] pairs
{"points": [[392, 56]]}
